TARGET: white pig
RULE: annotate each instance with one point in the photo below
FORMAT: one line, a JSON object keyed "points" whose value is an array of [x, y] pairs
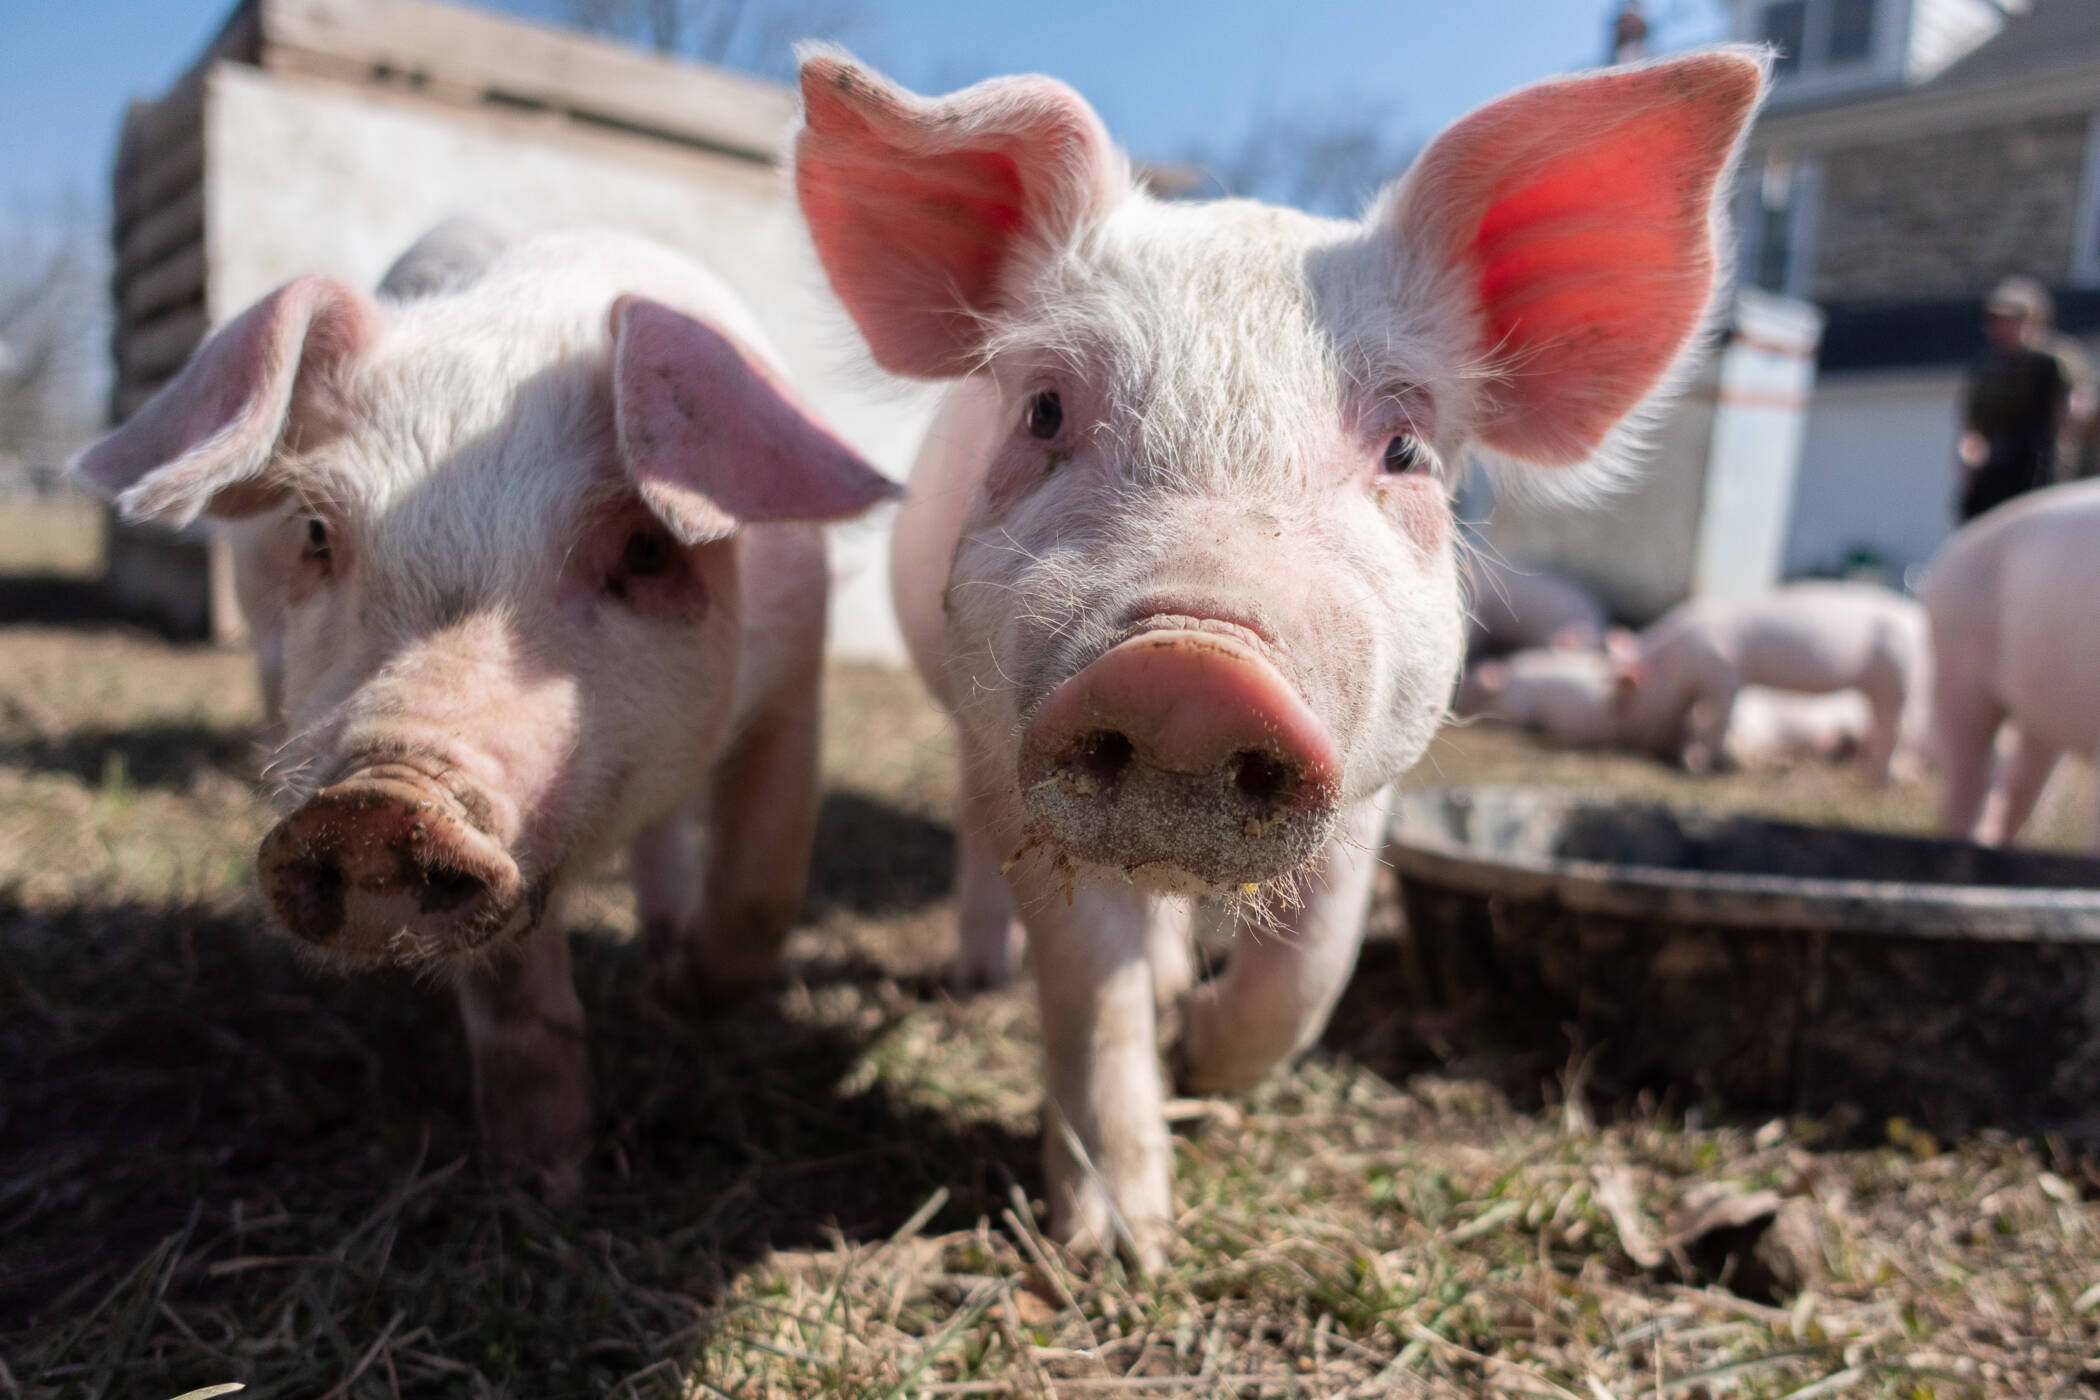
{"points": [[1809, 637], [1777, 728], [1178, 552], [530, 571], [2017, 641], [1513, 608], [1568, 694]]}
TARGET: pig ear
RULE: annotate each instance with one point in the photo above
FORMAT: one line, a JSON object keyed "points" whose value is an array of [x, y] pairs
{"points": [[1492, 677], [713, 439], [920, 208], [206, 440], [1579, 214]]}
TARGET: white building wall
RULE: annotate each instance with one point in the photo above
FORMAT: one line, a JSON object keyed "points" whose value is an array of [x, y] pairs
{"points": [[1877, 470], [305, 175]]}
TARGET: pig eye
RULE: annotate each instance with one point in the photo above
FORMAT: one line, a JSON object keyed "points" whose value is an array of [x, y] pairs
{"points": [[317, 550], [1406, 454], [1045, 415], [646, 552]]}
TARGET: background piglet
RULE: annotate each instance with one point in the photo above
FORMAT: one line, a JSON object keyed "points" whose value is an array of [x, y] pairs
{"points": [[1813, 638], [1568, 694], [1776, 728], [521, 556], [1178, 553], [2016, 642]]}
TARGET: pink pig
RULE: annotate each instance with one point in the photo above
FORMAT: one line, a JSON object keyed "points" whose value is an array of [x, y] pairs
{"points": [[1178, 552], [1814, 638], [2011, 603], [527, 562]]}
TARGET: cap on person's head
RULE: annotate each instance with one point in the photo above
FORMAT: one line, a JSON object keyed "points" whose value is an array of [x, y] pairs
{"points": [[2020, 297]]}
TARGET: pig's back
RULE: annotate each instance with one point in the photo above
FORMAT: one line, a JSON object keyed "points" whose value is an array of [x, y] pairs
{"points": [[1827, 636], [937, 500]]}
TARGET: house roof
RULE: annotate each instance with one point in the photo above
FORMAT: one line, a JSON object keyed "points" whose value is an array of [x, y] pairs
{"points": [[2051, 34], [1929, 334]]}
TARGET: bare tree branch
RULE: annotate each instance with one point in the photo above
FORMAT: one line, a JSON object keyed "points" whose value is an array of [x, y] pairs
{"points": [[54, 330], [755, 35], [1327, 162]]}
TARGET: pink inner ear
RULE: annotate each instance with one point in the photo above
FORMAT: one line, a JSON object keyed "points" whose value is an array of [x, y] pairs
{"points": [[1584, 210], [711, 437], [205, 441], [917, 207]]}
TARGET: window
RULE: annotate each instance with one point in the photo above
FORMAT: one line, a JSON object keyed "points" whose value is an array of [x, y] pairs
{"points": [[2085, 249], [1778, 221], [1786, 28], [1851, 31], [1775, 224]]}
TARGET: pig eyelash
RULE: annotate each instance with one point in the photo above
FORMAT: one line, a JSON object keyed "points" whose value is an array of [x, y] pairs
{"points": [[1408, 455]]}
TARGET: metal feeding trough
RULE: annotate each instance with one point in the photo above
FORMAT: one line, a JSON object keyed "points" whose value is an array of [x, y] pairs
{"points": [[1766, 966]]}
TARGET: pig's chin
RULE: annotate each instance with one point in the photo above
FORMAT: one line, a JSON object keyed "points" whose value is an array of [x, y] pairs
{"points": [[1170, 832]]}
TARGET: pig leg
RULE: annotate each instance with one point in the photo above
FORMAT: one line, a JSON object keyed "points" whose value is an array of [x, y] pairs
{"points": [[1107, 1163], [532, 1070], [1965, 724], [990, 941], [1706, 750], [1884, 729], [762, 823], [2017, 787], [1277, 991], [665, 864]]}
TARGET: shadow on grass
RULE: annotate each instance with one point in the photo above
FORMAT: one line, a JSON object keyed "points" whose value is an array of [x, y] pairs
{"points": [[207, 1140], [170, 756], [874, 858]]}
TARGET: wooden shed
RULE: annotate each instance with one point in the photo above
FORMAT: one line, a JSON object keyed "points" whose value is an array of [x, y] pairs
{"points": [[326, 135]]}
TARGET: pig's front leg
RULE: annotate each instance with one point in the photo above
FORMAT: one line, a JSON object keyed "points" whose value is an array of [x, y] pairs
{"points": [[762, 822], [989, 933], [2021, 774], [1107, 1163], [1965, 723], [532, 1071], [1275, 994], [664, 862]]}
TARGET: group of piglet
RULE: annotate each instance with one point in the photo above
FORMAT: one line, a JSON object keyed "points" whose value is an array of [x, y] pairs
{"points": [[1816, 670], [529, 544], [1990, 677]]}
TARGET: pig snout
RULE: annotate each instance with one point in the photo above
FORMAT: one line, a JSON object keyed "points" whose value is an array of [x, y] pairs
{"points": [[1186, 752], [389, 863]]}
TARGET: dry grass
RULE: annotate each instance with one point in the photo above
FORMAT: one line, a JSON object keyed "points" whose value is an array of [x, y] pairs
{"points": [[217, 1165]]}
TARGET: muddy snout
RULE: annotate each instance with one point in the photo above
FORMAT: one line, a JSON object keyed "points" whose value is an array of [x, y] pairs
{"points": [[1181, 754], [388, 864]]}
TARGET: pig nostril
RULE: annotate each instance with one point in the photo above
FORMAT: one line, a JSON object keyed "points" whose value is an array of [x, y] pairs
{"points": [[1262, 779], [1103, 757], [311, 899], [448, 891]]}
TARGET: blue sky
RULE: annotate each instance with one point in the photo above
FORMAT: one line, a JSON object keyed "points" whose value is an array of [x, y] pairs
{"points": [[1167, 75]]}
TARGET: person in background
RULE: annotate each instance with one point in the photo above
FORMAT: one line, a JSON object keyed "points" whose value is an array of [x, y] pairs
{"points": [[2018, 402], [2078, 442]]}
